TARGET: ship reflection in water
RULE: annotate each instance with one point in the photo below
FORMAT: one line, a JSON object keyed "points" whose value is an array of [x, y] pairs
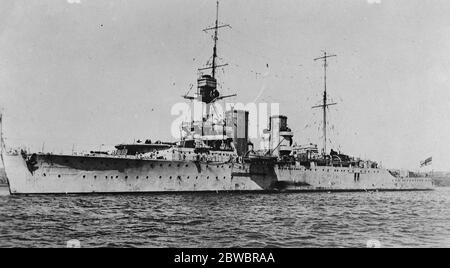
{"points": [[396, 219]]}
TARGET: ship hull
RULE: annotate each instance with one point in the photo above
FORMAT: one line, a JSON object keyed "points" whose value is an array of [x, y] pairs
{"points": [[64, 174]]}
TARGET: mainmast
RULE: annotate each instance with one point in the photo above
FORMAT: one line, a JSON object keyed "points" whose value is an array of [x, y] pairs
{"points": [[325, 103]]}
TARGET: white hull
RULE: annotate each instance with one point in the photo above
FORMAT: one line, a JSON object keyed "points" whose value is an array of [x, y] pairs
{"points": [[54, 174]]}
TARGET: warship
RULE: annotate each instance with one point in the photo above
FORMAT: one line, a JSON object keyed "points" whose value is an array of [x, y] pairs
{"points": [[210, 156]]}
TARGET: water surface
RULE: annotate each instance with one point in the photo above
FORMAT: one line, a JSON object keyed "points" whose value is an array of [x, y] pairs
{"points": [[396, 219]]}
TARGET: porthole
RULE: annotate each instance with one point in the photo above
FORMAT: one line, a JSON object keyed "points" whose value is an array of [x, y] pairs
{"points": [[84, 176], [126, 177], [146, 177], [59, 176], [95, 177]]}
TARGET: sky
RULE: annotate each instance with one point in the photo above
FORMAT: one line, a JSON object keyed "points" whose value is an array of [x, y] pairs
{"points": [[83, 74]]}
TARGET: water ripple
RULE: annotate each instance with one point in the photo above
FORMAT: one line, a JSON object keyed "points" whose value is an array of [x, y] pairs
{"points": [[228, 220]]}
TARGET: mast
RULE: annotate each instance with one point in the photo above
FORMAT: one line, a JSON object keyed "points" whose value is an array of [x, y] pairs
{"points": [[2, 141], [207, 85], [1, 133], [216, 28], [325, 103], [216, 32]]}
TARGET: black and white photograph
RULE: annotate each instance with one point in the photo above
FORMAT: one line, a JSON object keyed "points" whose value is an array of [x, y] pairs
{"points": [[238, 126]]}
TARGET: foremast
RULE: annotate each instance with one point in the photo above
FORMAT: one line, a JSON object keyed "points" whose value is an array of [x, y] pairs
{"points": [[207, 84], [221, 135]]}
